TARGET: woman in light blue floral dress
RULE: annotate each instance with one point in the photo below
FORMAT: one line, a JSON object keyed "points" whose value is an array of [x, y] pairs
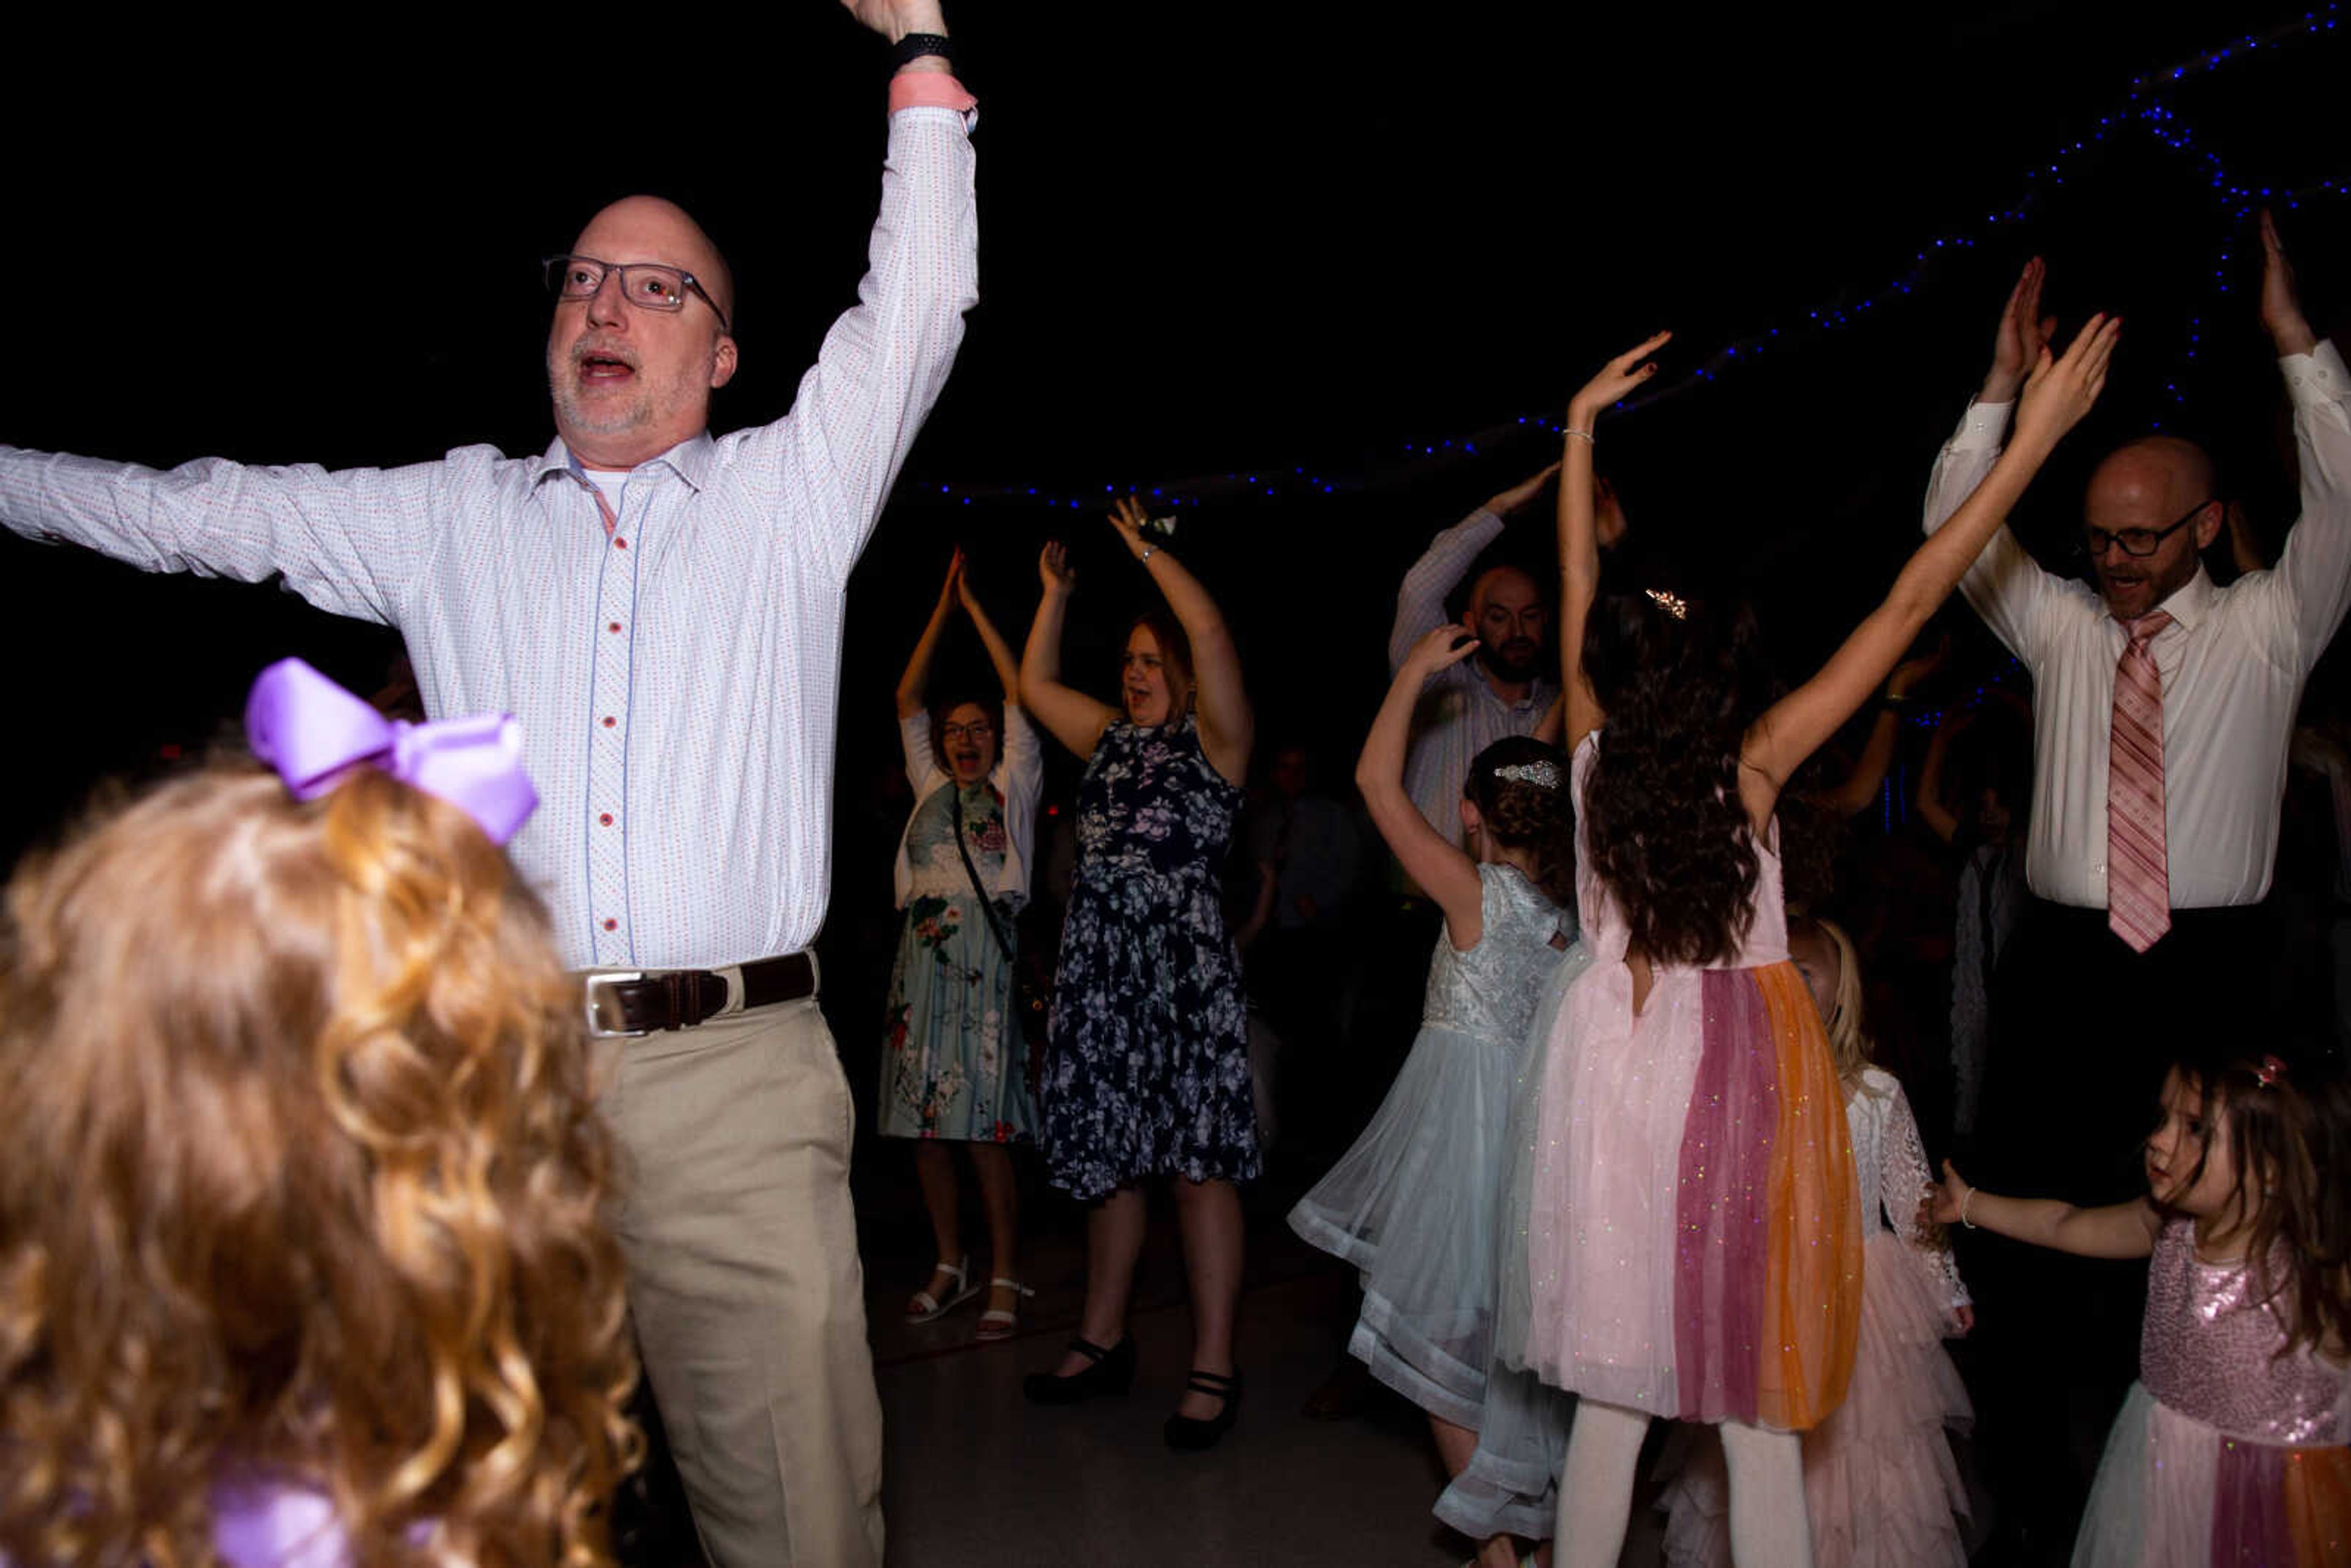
{"points": [[1147, 1073], [954, 1060]]}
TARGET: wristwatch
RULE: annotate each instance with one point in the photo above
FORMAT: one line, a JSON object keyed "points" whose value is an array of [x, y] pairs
{"points": [[915, 45]]}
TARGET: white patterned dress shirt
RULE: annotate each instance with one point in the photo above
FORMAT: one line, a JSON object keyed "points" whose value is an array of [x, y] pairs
{"points": [[676, 680], [2232, 662]]}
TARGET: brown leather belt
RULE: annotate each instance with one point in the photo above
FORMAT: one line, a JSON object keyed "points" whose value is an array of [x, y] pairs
{"points": [[628, 1003]]}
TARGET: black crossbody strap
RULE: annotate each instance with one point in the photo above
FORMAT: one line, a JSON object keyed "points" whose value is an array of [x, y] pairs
{"points": [[987, 904]]}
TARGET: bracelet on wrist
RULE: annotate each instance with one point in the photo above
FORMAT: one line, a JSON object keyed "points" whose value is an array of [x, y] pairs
{"points": [[1964, 1209], [1583, 435], [919, 46]]}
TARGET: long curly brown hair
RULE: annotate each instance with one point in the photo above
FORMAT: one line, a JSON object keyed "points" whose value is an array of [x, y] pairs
{"points": [[305, 1182], [1663, 823]]}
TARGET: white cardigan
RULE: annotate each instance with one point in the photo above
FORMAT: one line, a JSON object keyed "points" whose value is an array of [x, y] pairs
{"points": [[1019, 777]]}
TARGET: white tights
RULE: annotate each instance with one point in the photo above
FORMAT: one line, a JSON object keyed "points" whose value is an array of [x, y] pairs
{"points": [[1768, 1527]]}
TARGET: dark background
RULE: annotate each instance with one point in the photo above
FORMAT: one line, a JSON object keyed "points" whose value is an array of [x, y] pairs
{"points": [[1212, 243]]}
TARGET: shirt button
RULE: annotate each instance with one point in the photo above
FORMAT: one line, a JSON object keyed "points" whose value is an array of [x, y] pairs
{"points": [[609, 721], [612, 925], [613, 627], [605, 817], [620, 544]]}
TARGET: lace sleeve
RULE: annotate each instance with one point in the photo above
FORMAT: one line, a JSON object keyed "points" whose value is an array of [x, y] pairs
{"points": [[1903, 1188]]}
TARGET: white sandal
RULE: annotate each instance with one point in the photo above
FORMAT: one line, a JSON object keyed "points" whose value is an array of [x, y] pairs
{"points": [[996, 1323], [926, 1308]]}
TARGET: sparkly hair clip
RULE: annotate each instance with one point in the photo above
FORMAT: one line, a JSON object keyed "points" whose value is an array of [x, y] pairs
{"points": [[1672, 604], [2270, 1071], [1541, 775]]}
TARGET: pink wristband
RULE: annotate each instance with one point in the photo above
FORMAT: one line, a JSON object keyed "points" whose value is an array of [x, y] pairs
{"points": [[929, 90]]}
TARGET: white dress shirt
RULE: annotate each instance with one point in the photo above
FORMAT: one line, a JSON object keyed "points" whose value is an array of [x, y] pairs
{"points": [[1458, 715], [2232, 664], [676, 681], [1019, 778]]}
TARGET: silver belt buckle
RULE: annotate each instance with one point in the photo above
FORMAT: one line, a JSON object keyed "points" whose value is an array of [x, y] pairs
{"points": [[603, 1009]]}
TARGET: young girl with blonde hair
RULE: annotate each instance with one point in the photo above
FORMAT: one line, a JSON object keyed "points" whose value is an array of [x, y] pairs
{"points": [[302, 1253]]}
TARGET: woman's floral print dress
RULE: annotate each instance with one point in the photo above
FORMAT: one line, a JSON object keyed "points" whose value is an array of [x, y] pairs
{"points": [[954, 1064], [1147, 1072]]}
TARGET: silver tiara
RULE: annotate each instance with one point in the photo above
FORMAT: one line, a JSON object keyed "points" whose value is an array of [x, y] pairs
{"points": [[1541, 775], [1672, 604]]}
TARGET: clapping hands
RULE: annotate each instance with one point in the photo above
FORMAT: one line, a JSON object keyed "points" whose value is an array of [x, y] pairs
{"points": [[2023, 333]]}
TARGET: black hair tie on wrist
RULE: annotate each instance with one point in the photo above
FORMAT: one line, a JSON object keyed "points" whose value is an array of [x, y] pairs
{"points": [[915, 45]]}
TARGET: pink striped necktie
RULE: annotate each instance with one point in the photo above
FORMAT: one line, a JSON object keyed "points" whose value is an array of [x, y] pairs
{"points": [[2138, 877]]}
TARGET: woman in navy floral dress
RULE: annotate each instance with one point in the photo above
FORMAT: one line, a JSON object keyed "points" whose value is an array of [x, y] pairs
{"points": [[1147, 1072]]}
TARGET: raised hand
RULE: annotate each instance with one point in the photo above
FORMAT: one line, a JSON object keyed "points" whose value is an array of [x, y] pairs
{"points": [[2023, 332], [2281, 302], [1445, 646], [953, 588], [1126, 515], [964, 595], [2060, 392], [1616, 378], [893, 20], [1054, 566], [1519, 493]]}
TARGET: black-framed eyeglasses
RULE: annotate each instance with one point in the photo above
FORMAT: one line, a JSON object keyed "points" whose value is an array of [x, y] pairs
{"points": [[2095, 542], [647, 285]]}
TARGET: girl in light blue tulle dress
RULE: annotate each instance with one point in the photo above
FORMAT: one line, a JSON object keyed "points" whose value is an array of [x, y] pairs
{"points": [[1413, 1204]]}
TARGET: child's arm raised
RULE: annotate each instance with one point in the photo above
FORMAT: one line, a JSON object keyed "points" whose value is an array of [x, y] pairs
{"points": [[1579, 530], [2115, 1230], [2057, 396], [1075, 719], [1444, 873]]}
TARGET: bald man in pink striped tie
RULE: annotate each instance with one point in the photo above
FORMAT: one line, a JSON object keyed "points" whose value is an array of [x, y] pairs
{"points": [[2162, 709]]}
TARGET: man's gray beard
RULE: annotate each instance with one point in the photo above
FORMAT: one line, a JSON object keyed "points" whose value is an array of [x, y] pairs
{"points": [[565, 395]]}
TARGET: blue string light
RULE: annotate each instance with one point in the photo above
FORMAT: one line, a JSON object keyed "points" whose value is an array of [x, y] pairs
{"points": [[2141, 111]]}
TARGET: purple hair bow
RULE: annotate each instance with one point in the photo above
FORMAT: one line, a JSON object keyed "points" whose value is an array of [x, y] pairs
{"points": [[313, 731]]}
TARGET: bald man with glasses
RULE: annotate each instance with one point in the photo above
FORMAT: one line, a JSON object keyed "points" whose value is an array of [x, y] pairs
{"points": [[2162, 710], [662, 610]]}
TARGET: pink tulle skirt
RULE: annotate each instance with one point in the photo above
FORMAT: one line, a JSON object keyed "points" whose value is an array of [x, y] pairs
{"points": [[1881, 1487]]}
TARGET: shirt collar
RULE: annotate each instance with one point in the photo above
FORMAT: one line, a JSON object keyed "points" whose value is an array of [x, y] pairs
{"points": [[2188, 603], [690, 460]]}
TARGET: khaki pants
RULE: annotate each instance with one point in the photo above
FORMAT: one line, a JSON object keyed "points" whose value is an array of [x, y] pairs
{"points": [[744, 1280]]}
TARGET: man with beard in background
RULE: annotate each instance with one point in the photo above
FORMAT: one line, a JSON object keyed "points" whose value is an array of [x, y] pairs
{"points": [[1505, 688]]}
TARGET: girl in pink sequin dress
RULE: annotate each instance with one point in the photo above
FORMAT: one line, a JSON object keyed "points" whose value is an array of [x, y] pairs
{"points": [[1693, 1229], [2232, 1446]]}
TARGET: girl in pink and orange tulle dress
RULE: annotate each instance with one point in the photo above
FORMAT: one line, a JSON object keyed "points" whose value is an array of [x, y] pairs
{"points": [[1693, 1230], [2232, 1446]]}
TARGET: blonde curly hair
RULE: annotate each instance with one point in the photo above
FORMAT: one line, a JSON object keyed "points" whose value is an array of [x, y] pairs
{"points": [[305, 1181]]}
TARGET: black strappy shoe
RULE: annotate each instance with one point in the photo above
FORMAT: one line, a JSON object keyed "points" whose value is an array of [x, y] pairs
{"points": [[1111, 1371], [1190, 1435]]}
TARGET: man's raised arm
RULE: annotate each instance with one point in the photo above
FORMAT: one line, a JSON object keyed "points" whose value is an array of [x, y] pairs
{"points": [[350, 542], [884, 362], [2005, 585], [2311, 582], [1420, 602]]}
